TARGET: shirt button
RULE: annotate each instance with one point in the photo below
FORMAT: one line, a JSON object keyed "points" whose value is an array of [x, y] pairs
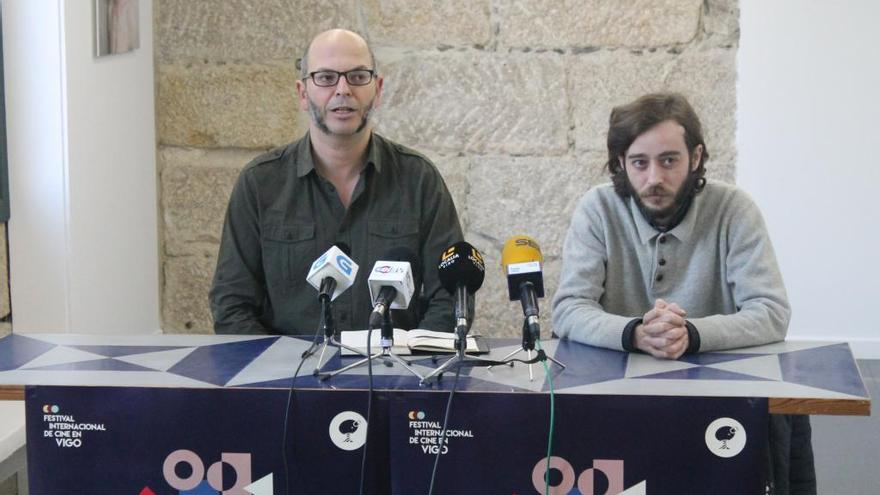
{"points": [[661, 262], [659, 277], [662, 239]]}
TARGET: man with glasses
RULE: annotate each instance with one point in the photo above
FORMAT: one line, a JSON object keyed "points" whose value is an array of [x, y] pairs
{"points": [[341, 183]]}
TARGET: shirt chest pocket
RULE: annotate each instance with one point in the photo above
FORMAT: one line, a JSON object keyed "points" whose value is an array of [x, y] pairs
{"points": [[288, 251], [387, 234]]}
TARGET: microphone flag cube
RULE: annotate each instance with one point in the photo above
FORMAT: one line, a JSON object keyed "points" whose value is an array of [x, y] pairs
{"points": [[397, 274], [335, 264]]}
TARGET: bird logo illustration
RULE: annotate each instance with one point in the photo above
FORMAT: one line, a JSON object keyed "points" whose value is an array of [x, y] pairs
{"points": [[725, 434], [348, 427]]}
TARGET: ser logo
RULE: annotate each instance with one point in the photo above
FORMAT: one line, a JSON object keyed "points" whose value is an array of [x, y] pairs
{"points": [[562, 478], [526, 242]]}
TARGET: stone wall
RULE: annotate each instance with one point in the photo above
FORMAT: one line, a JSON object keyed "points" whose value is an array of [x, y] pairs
{"points": [[510, 98]]}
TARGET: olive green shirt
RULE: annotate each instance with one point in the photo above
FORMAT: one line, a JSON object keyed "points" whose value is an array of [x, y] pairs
{"points": [[282, 215]]}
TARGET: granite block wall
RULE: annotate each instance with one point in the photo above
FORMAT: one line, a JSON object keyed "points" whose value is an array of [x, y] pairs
{"points": [[510, 98]]}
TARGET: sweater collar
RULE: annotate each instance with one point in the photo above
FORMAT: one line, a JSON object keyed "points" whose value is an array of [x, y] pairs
{"points": [[683, 231]]}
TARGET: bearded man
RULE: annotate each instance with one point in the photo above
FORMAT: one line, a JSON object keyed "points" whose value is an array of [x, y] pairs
{"points": [[341, 183], [664, 262]]}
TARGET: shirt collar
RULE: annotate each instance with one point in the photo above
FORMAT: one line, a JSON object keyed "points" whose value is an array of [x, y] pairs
{"points": [[682, 231], [305, 162]]}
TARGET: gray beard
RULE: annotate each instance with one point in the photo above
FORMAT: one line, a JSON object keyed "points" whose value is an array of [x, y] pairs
{"points": [[321, 123]]}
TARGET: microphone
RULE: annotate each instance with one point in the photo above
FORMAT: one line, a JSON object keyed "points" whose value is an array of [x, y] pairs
{"points": [[461, 272], [522, 261], [391, 282], [333, 273]]}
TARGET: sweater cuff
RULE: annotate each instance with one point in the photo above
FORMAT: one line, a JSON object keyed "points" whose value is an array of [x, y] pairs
{"points": [[693, 338], [629, 333]]}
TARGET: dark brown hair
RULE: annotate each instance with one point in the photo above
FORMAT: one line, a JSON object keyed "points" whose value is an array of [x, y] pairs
{"points": [[629, 121]]}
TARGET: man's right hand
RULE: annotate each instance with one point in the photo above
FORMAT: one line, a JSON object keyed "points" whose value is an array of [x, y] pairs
{"points": [[663, 333]]}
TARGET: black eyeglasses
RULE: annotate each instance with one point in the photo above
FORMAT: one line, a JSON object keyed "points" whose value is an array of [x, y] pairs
{"points": [[355, 77]]}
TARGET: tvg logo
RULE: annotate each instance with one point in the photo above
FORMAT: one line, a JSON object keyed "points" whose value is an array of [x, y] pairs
{"points": [[319, 261], [344, 263]]}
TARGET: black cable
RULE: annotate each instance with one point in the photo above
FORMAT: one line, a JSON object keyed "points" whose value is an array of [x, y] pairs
{"points": [[305, 355], [443, 431], [369, 408]]}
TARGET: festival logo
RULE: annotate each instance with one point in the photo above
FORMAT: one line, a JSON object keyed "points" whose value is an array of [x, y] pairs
{"points": [[725, 437], [348, 430]]}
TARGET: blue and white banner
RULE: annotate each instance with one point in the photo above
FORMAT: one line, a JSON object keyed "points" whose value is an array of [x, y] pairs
{"points": [[160, 441], [606, 445]]}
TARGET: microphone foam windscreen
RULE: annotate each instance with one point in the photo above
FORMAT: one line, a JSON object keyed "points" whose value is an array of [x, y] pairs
{"points": [[462, 264]]}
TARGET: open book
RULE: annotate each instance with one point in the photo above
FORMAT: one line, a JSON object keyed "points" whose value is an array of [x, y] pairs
{"points": [[407, 341]]}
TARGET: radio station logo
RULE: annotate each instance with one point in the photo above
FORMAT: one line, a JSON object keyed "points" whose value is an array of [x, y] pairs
{"points": [[348, 430], [446, 254], [725, 437], [388, 269]]}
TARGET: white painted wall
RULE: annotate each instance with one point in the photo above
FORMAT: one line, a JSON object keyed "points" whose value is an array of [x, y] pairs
{"points": [[83, 232], [808, 106]]}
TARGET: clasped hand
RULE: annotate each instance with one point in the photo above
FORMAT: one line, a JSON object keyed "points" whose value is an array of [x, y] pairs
{"points": [[663, 333]]}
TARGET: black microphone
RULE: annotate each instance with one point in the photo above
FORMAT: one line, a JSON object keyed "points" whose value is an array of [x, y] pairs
{"points": [[391, 282], [461, 271]]}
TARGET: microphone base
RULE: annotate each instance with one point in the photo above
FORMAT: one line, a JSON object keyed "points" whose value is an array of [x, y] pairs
{"points": [[531, 331], [459, 360], [332, 342], [385, 355], [530, 356]]}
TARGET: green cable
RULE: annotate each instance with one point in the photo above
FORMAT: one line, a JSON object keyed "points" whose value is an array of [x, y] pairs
{"points": [[552, 420]]}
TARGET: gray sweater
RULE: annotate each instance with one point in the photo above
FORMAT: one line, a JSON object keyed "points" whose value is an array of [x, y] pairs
{"points": [[718, 264]]}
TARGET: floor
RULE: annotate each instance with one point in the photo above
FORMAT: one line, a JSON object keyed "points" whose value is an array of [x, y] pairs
{"points": [[846, 448]]}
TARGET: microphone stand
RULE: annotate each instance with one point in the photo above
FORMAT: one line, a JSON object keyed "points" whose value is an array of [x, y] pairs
{"points": [[460, 359], [386, 342], [328, 326], [531, 330]]}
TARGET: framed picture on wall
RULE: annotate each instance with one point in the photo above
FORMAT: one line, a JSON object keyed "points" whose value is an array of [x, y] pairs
{"points": [[116, 26]]}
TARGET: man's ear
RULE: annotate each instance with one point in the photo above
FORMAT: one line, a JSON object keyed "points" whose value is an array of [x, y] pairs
{"points": [[622, 162], [302, 96], [697, 156], [379, 84]]}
